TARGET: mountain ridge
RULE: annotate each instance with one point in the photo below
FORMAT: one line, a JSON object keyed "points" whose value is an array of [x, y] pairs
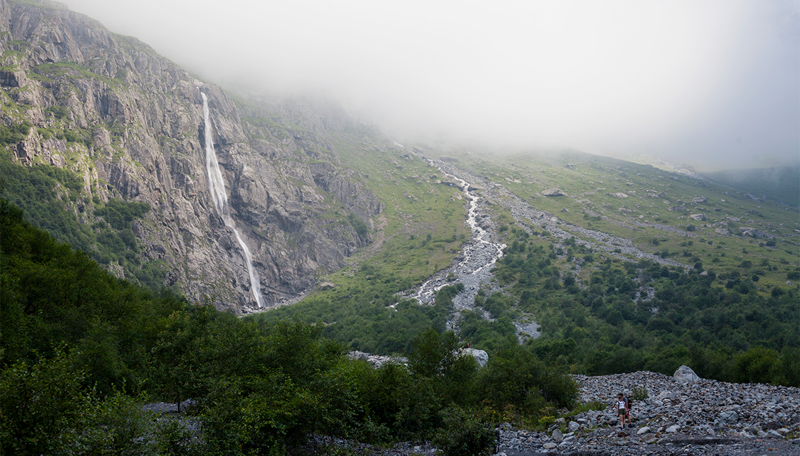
{"points": [[129, 123]]}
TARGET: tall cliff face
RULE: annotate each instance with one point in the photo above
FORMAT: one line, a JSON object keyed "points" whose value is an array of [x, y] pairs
{"points": [[130, 122]]}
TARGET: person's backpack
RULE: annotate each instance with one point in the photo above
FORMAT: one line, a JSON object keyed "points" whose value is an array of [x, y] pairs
{"points": [[628, 403]]}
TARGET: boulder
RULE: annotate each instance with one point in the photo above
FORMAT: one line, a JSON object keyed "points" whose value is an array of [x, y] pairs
{"points": [[643, 430], [664, 395], [723, 231], [728, 418], [752, 232], [480, 356], [573, 426], [677, 208], [700, 199], [617, 195], [699, 217], [553, 192], [685, 374], [673, 429], [558, 436], [375, 360]]}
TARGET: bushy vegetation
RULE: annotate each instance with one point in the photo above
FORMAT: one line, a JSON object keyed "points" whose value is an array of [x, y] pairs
{"points": [[717, 324], [82, 350], [46, 194], [14, 133]]}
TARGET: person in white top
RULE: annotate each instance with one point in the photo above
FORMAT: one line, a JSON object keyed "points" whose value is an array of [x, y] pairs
{"points": [[622, 410]]}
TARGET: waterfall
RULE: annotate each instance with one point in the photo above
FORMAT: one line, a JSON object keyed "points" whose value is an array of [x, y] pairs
{"points": [[217, 187]]}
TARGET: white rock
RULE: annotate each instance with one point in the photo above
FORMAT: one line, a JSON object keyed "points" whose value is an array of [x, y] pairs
{"points": [[549, 446], [558, 436], [673, 429], [664, 395], [573, 426], [643, 430], [685, 374], [480, 355]]}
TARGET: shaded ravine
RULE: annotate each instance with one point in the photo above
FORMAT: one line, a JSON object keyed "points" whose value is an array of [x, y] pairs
{"points": [[217, 188]]}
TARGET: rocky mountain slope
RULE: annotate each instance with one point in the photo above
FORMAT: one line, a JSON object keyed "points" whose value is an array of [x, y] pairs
{"points": [[130, 123]]}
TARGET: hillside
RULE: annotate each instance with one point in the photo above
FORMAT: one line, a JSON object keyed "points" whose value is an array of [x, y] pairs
{"points": [[129, 125], [106, 147]]}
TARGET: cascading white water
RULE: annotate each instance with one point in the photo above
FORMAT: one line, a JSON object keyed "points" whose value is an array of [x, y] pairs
{"points": [[478, 249], [217, 187]]}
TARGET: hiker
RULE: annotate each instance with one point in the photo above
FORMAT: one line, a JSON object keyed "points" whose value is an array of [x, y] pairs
{"points": [[628, 404], [622, 409]]}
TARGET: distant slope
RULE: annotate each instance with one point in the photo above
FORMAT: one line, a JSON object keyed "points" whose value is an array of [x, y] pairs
{"points": [[780, 183]]}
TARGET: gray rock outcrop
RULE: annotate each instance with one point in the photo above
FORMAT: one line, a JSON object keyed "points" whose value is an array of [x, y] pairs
{"points": [[752, 232], [480, 355], [685, 374]]}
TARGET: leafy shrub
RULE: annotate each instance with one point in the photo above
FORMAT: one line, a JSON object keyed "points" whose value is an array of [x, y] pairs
{"points": [[14, 133], [358, 225], [464, 435], [639, 393]]}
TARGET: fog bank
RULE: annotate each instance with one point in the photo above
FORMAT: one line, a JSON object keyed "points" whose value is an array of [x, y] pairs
{"points": [[711, 83]]}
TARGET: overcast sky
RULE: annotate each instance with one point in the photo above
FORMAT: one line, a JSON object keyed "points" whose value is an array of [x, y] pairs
{"points": [[711, 83]]}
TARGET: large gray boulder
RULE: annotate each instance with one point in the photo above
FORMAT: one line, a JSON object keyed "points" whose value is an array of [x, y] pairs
{"points": [[685, 374], [480, 356], [553, 192]]}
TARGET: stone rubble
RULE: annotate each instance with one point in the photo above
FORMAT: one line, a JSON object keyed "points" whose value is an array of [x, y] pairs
{"points": [[679, 417]]}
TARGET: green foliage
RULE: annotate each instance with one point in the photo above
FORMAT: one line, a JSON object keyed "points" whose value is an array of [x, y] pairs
{"points": [[40, 405], [516, 377], [41, 190], [14, 133], [464, 435], [358, 225], [639, 393], [119, 214]]}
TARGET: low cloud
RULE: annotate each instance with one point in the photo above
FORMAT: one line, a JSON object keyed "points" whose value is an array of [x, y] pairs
{"points": [[713, 83]]}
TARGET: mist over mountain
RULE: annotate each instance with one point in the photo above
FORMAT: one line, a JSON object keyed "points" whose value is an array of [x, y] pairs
{"points": [[712, 84], [423, 260]]}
